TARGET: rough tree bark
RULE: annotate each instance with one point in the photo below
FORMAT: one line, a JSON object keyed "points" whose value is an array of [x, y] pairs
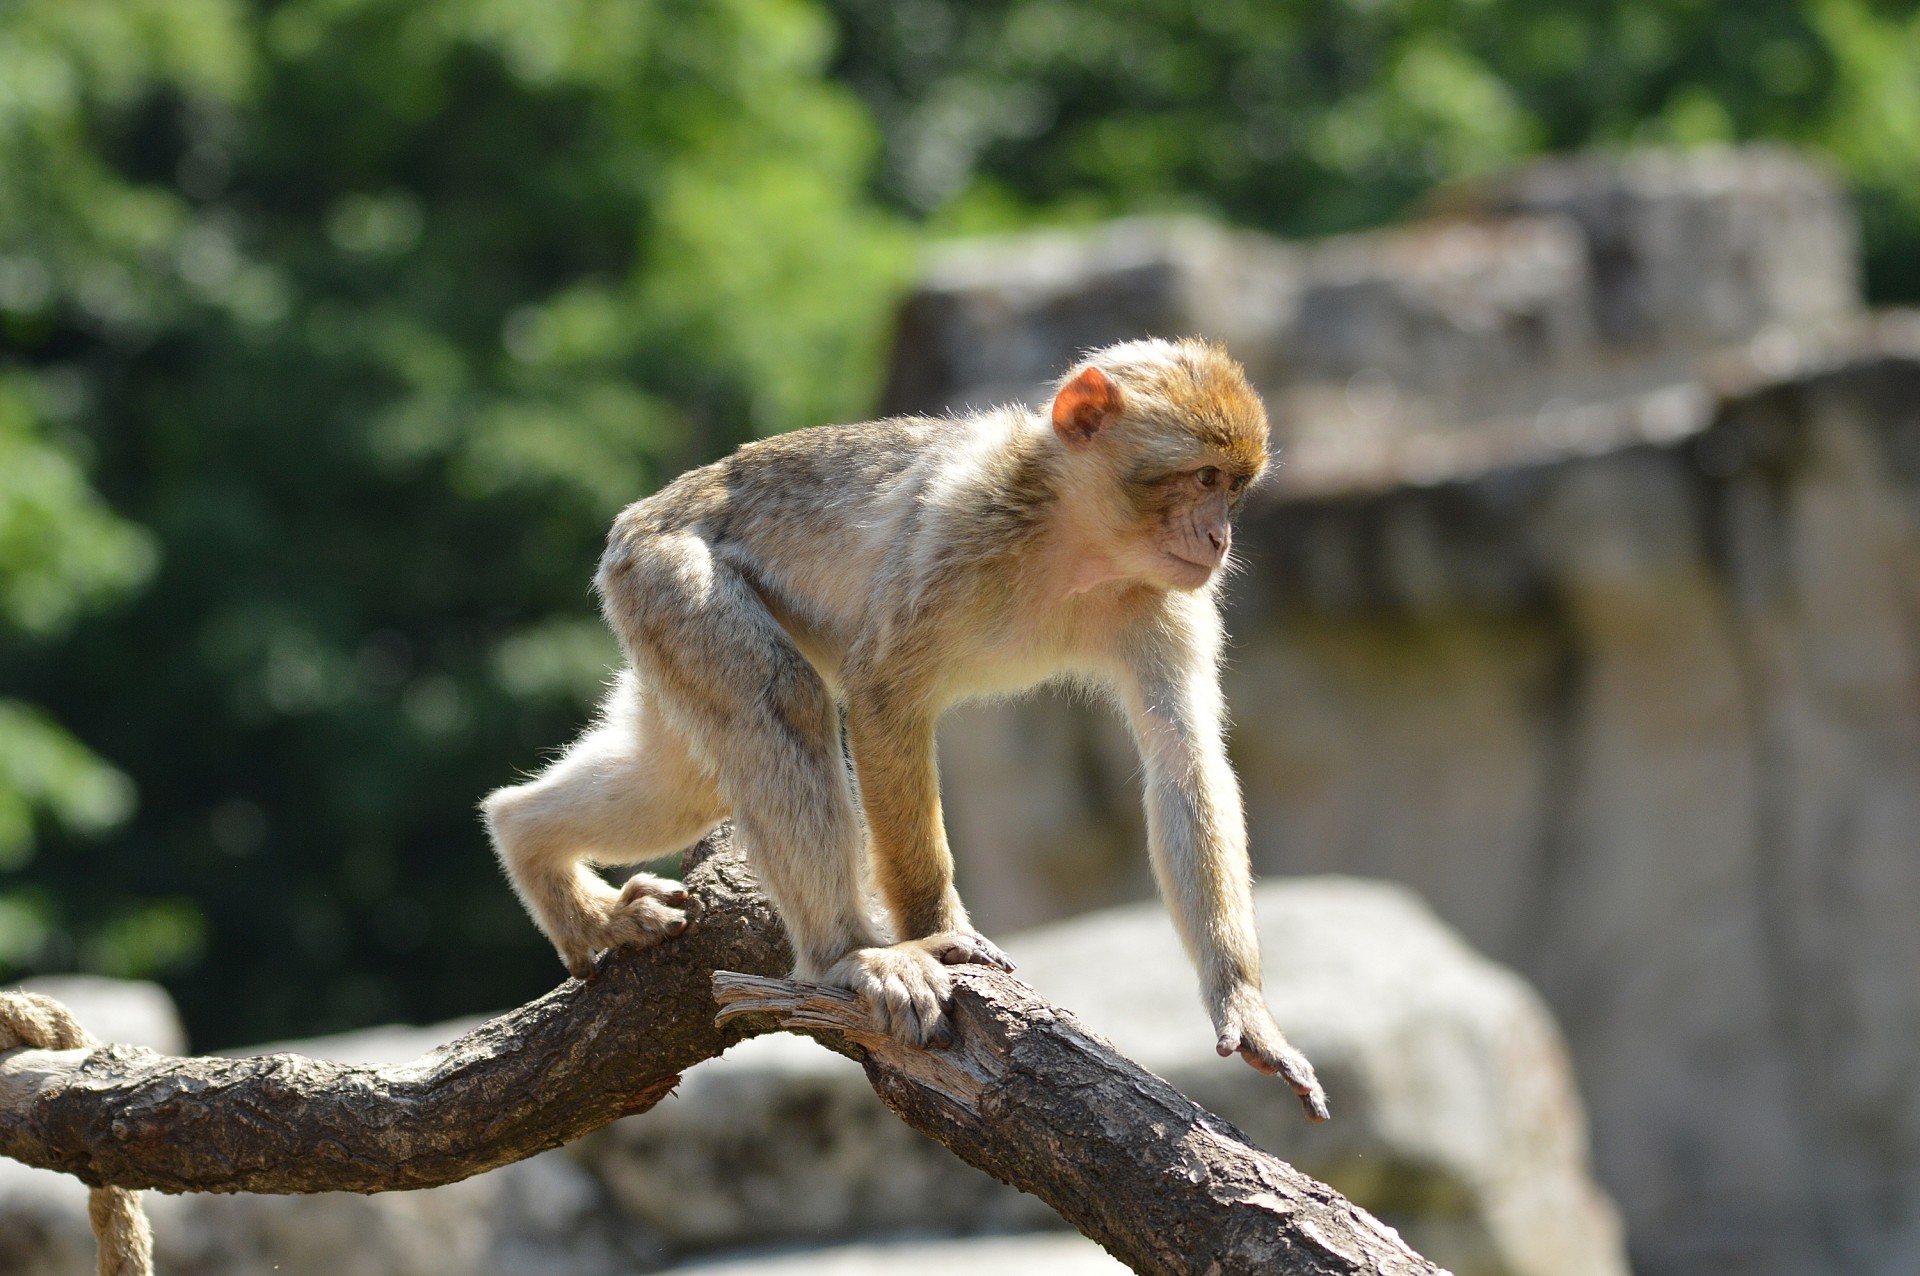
{"points": [[1026, 1094]]}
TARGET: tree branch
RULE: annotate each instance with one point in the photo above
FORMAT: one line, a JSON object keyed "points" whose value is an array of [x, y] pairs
{"points": [[1026, 1094]]}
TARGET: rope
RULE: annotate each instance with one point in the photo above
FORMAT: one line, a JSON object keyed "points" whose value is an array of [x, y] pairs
{"points": [[119, 1224]]}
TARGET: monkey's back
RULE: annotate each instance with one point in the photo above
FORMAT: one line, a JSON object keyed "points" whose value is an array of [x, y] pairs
{"points": [[838, 528]]}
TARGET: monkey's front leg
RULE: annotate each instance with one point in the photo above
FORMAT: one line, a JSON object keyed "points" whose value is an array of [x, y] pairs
{"points": [[906, 983], [1199, 853], [1196, 835], [1200, 858], [900, 792]]}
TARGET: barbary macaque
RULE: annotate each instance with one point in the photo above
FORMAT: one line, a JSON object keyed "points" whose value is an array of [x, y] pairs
{"points": [[869, 576]]}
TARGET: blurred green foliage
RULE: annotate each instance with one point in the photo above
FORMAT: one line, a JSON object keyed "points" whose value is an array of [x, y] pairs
{"points": [[363, 316], [1312, 116], [371, 312]]}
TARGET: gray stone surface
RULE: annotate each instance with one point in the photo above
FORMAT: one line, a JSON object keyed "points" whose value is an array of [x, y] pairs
{"points": [[1694, 250], [780, 1140], [1574, 285], [541, 1217], [1029, 1254], [987, 324]]}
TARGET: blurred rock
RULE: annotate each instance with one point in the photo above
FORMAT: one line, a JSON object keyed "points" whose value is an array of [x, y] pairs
{"points": [[783, 1141], [130, 1011], [1031, 1254], [1434, 324], [1456, 1117], [1694, 250], [43, 1223], [990, 321], [540, 1217], [1588, 282]]}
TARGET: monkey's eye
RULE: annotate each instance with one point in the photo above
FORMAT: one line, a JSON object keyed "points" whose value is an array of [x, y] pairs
{"points": [[1208, 476], [1239, 483]]}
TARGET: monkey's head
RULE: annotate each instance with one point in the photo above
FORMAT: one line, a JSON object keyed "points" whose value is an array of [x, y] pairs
{"points": [[1166, 437]]}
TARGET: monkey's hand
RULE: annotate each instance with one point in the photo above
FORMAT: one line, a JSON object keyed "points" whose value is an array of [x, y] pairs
{"points": [[647, 910], [905, 987], [966, 948], [1246, 1027]]}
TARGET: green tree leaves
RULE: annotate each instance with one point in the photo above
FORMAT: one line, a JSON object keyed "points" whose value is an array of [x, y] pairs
{"points": [[1310, 116], [372, 312]]}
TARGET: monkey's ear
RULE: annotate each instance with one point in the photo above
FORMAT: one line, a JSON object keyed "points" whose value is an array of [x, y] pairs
{"points": [[1085, 406]]}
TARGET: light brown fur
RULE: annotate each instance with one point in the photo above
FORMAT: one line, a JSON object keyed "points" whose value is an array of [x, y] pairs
{"points": [[871, 575]]}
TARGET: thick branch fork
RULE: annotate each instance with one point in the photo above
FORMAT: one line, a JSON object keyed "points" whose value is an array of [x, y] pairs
{"points": [[1025, 1093]]}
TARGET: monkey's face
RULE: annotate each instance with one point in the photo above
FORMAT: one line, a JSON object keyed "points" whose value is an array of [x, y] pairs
{"points": [[1176, 436], [1184, 519]]}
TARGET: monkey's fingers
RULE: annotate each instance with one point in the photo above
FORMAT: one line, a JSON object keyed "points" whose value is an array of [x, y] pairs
{"points": [[648, 886], [965, 948], [907, 1009], [1298, 1073], [904, 990], [1280, 1060], [647, 910]]}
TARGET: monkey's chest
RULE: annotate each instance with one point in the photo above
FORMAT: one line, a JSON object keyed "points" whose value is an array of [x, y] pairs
{"points": [[1007, 664]]}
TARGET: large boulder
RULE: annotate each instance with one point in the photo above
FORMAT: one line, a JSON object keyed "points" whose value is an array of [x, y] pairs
{"points": [[541, 1217]]}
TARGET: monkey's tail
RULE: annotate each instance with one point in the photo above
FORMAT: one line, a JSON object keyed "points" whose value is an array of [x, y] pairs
{"points": [[119, 1223]]}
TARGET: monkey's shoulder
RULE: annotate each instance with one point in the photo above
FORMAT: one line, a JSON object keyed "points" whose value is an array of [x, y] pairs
{"points": [[854, 448], [871, 478], [869, 460]]}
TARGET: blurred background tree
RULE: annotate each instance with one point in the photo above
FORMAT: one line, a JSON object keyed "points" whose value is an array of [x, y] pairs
{"points": [[363, 316], [372, 312], [1307, 117]]}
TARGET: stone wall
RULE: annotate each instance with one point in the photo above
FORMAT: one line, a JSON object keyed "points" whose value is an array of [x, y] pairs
{"points": [[1579, 288], [1587, 603]]}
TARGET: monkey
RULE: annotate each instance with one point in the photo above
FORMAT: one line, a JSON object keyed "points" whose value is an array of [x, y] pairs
{"points": [[863, 578]]}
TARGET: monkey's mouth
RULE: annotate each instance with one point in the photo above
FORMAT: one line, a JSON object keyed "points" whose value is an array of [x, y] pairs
{"points": [[1185, 567]]}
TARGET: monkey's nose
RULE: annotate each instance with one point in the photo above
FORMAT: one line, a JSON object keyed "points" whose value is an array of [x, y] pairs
{"points": [[1218, 539]]}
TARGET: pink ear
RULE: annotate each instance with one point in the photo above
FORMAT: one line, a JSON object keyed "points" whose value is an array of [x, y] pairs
{"points": [[1084, 406]]}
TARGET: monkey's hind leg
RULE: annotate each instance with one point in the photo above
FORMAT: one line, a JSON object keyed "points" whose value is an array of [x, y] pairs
{"points": [[627, 790], [701, 634]]}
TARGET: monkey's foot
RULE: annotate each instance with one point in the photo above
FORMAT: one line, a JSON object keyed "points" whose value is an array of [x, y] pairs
{"points": [[647, 910], [1247, 1029], [905, 988], [966, 948]]}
